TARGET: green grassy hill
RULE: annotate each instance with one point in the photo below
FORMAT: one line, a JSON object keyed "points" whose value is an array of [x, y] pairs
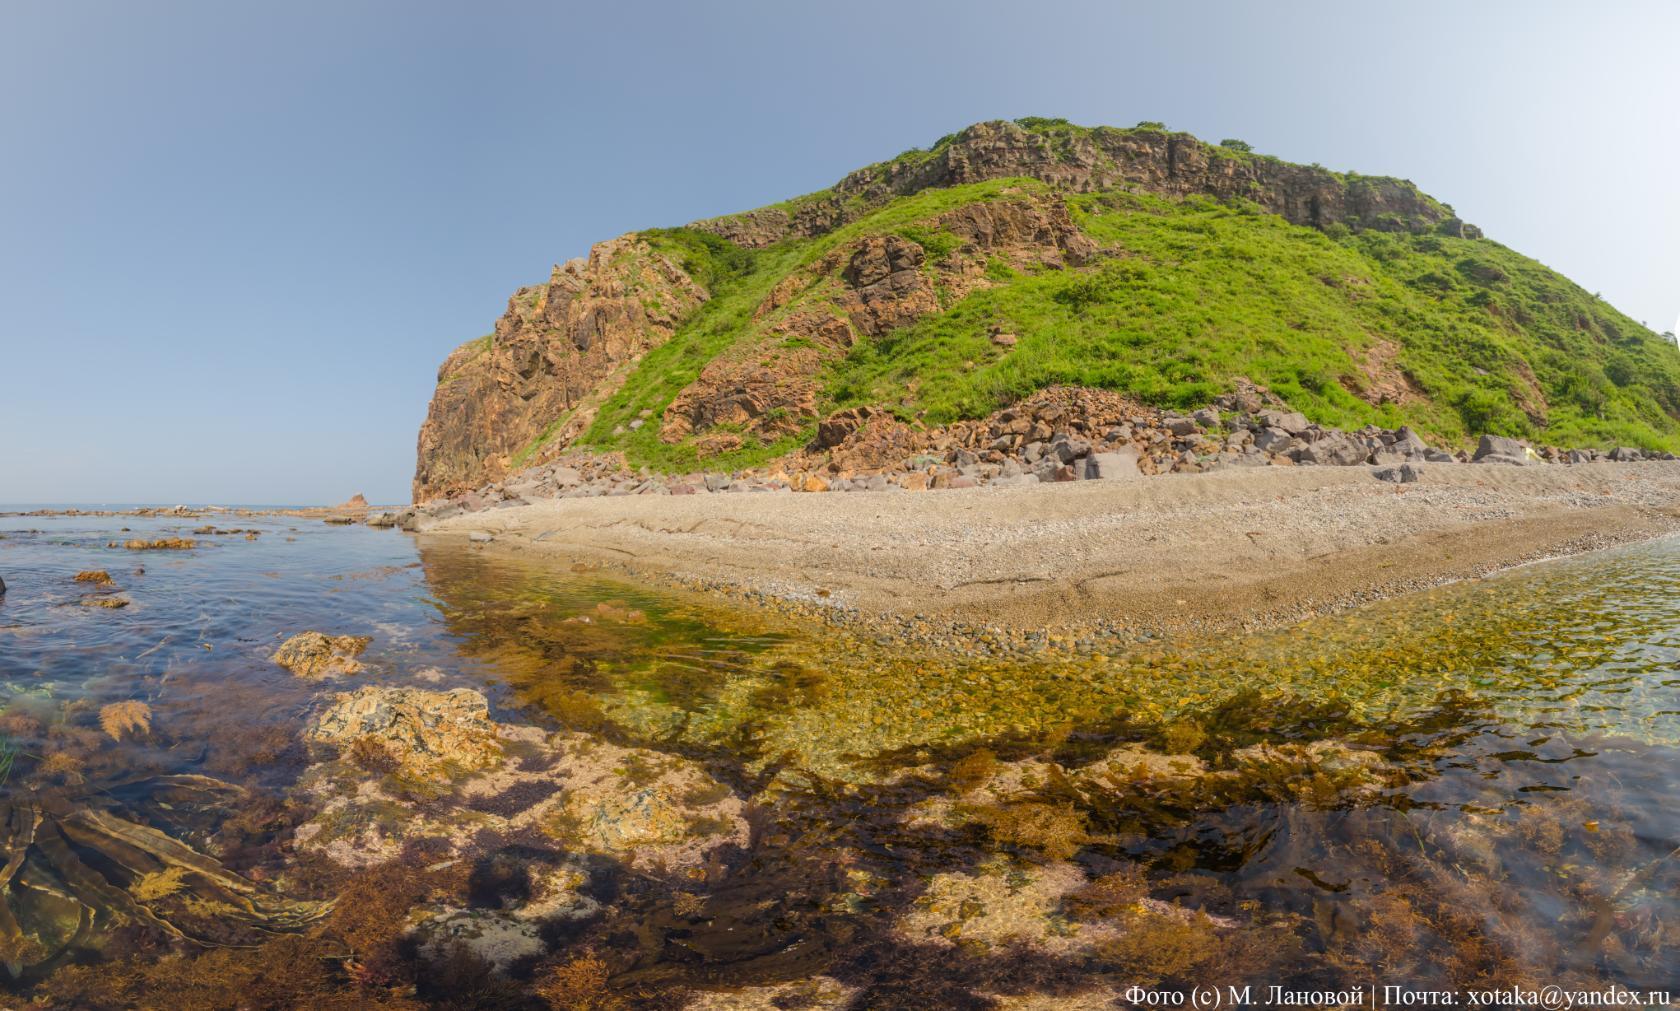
{"points": [[1197, 279]]}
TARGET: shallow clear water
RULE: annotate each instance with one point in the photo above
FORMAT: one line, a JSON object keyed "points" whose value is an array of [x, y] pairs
{"points": [[1470, 786]]}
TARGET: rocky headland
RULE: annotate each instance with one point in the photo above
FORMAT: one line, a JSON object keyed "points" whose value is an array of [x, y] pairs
{"points": [[1223, 357]]}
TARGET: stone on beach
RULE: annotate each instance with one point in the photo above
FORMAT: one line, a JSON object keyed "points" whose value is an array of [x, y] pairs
{"points": [[1120, 465], [1498, 449]]}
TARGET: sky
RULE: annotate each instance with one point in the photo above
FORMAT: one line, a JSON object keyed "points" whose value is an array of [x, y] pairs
{"points": [[237, 239]]}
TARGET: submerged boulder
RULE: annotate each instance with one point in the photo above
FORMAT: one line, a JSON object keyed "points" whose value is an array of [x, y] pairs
{"points": [[818, 993], [315, 654], [426, 734], [477, 776]]}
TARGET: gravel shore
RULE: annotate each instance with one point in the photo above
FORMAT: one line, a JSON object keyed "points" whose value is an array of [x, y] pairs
{"points": [[1242, 548]]}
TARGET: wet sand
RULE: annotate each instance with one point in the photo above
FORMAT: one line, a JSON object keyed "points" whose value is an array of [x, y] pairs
{"points": [[1231, 549]]}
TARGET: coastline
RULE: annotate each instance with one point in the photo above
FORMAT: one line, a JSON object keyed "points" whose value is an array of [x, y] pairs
{"points": [[1237, 549]]}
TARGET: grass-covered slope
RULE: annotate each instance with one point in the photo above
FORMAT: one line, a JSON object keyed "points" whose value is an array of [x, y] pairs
{"points": [[1455, 336]]}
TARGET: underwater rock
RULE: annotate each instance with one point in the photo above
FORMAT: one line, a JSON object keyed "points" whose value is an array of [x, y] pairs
{"points": [[640, 806], [515, 931], [315, 654], [1135, 763], [162, 544], [81, 858], [426, 733], [495, 936], [819, 993], [1327, 766], [1001, 904]]}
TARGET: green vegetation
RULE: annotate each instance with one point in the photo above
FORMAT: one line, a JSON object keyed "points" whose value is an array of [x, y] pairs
{"points": [[715, 262], [1199, 292], [1453, 336], [727, 319]]}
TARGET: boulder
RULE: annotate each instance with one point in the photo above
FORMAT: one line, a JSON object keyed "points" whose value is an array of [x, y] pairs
{"points": [[1120, 465], [1408, 442], [1180, 427], [315, 654], [1273, 440], [1405, 473], [1626, 454], [1335, 449], [1069, 450], [1499, 449], [1292, 422], [428, 734]]}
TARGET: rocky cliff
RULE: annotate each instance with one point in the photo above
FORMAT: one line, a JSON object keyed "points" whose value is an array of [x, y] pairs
{"points": [[1012, 257], [557, 351], [1084, 160]]}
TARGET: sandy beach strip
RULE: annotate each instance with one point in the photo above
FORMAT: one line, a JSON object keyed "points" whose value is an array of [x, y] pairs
{"points": [[1235, 548]]}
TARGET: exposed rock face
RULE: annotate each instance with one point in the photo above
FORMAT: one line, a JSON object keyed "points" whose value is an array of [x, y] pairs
{"points": [[886, 286], [1156, 160], [768, 388], [1040, 228], [769, 225], [518, 396], [555, 354]]}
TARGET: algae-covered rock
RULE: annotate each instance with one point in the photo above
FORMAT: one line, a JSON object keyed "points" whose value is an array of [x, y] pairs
{"points": [[503, 936], [819, 993], [427, 734], [314, 654], [640, 806], [495, 936], [1001, 904]]}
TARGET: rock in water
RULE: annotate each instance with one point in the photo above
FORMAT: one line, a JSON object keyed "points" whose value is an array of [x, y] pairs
{"points": [[2, 587], [314, 654], [425, 732], [587, 795]]}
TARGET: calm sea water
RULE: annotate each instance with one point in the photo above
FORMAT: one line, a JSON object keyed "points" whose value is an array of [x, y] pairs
{"points": [[1468, 787]]}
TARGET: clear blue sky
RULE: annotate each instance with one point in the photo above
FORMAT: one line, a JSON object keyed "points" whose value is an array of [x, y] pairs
{"points": [[237, 239]]}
